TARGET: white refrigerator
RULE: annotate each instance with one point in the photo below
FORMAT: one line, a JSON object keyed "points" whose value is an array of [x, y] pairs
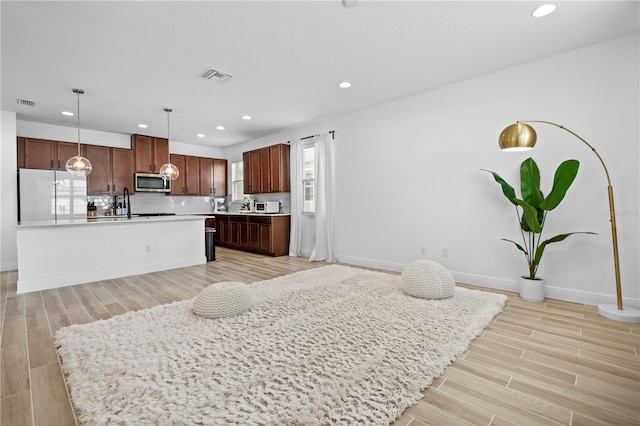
{"points": [[51, 195]]}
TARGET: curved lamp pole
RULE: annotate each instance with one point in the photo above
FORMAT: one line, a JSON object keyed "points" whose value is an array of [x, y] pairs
{"points": [[519, 137]]}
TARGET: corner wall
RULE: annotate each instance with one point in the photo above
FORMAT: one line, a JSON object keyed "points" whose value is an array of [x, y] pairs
{"points": [[8, 192], [408, 174]]}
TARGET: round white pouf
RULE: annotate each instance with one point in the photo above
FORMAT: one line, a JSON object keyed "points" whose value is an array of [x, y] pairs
{"points": [[223, 300], [428, 280]]}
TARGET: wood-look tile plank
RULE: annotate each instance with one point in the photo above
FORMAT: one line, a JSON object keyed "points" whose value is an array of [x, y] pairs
{"points": [[36, 317], [14, 330], [91, 303], [432, 415], [15, 410], [515, 406], [51, 405], [456, 407], [41, 347], [593, 408], [78, 314], [14, 367], [579, 365]]}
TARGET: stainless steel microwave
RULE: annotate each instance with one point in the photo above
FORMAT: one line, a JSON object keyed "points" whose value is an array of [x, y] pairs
{"points": [[152, 182]]}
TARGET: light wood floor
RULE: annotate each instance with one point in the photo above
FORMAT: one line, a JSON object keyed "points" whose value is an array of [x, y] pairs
{"points": [[535, 364]]}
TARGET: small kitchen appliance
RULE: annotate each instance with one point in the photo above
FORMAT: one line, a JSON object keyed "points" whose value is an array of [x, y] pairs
{"points": [[267, 207], [218, 205]]}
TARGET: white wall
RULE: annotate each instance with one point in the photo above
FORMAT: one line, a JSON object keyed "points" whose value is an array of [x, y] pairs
{"points": [[408, 174], [8, 192]]}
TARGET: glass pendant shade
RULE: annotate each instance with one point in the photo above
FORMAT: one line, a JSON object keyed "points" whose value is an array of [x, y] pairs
{"points": [[78, 165], [517, 137], [169, 171]]}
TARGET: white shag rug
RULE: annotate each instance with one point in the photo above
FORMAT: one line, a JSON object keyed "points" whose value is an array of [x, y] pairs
{"points": [[328, 346]]}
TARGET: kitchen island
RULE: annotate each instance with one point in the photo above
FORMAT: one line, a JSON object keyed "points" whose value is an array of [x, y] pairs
{"points": [[60, 253]]}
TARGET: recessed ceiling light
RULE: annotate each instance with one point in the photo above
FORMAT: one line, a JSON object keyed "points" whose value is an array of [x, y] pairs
{"points": [[246, 117], [142, 126], [67, 113], [220, 127], [200, 135], [345, 84], [544, 10]]}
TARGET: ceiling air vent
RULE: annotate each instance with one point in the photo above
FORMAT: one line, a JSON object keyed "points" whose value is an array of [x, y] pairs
{"points": [[25, 102], [215, 75]]}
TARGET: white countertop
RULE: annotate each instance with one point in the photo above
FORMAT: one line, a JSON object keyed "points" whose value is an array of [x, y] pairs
{"points": [[105, 220], [250, 214]]}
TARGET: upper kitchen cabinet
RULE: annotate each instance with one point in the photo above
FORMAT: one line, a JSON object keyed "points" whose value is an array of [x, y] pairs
{"points": [[112, 170], [251, 171], [150, 153], [45, 154], [188, 177], [213, 176], [267, 170]]}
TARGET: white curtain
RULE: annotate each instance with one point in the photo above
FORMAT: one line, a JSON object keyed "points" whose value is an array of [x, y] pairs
{"points": [[324, 192], [295, 238]]}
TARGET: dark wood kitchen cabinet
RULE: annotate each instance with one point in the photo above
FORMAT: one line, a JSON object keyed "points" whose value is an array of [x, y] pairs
{"points": [[188, 179], [251, 171], [267, 170], [222, 230], [269, 234], [213, 176], [150, 153], [112, 170], [259, 234], [46, 154]]}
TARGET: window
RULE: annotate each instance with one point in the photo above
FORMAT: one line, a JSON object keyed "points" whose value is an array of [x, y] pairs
{"points": [[308, 179], [237, 181]]}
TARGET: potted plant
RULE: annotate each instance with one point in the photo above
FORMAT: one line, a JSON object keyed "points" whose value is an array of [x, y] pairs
{"points": [[531, 212]]}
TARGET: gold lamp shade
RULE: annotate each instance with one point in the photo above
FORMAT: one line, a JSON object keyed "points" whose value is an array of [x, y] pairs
{"points": [[517, 137]]}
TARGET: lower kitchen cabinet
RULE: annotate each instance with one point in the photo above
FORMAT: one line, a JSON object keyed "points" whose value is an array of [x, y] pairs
{"points": [[255, 233]]}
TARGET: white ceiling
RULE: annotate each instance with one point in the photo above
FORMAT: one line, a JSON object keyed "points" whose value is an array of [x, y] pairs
{"points": [[133, 58]]}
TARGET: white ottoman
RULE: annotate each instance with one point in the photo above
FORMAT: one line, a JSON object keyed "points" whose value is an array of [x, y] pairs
{"points": [[428, 280], [223, 300]]}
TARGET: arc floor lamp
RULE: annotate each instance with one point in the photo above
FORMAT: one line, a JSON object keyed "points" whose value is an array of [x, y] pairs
{"points": [[519, 137]]}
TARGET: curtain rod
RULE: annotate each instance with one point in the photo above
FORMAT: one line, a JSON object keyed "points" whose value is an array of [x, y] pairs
{"points": [[309, 137]]}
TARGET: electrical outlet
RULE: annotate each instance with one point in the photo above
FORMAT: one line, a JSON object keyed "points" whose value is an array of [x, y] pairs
{"points": [[423, 250], [147, 249], [445, 252]]}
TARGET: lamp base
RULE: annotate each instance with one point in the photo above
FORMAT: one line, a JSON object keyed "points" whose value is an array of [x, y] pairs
{"points": [[624, 315]]}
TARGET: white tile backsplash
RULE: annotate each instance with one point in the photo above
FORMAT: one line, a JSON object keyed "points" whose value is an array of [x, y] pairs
{"points": [[142, 202]]}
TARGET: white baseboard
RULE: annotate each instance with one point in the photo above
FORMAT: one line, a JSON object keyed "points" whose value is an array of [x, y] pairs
{"points": [[9, 266], [552, 292]]}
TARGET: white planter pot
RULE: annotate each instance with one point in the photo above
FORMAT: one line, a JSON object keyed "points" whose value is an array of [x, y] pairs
{"points": [[532, 290]]}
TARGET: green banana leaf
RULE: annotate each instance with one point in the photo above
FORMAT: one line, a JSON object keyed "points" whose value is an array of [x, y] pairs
{"points": [[557, 238], [530, 183], [507, 189], [523, 222], [530, 215], [562, 180], [522, 249]]}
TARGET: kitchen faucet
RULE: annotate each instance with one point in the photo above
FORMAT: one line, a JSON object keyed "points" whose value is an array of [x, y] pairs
{"points": [[128, 202]]}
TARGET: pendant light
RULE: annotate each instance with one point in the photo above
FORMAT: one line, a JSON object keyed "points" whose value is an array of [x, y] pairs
{"points": [[169, 171], [78, 165]]}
